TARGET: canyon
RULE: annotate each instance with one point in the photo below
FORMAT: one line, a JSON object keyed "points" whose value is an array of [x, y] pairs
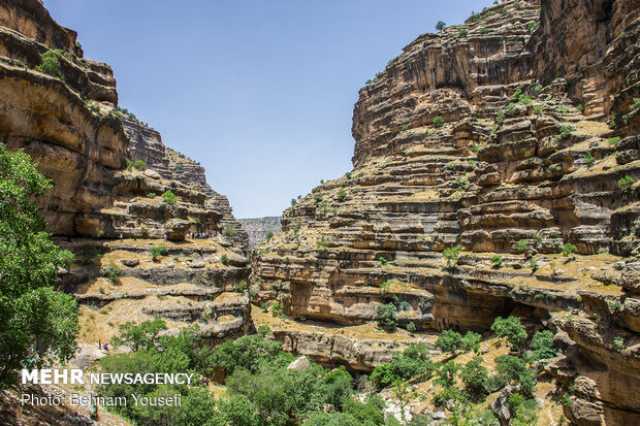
{"points": [[496, 172]]}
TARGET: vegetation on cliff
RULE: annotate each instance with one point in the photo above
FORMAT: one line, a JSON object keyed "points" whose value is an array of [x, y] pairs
{"points": [[39, 324]]}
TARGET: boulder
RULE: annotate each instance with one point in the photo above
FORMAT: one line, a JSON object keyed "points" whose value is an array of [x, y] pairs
{"points": [[176, 229], [300, 364]]}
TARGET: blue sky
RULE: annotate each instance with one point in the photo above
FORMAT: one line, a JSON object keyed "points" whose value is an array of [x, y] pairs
{"points": [[260, 92]]}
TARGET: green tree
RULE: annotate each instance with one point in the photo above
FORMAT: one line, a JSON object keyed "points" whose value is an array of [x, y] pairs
{"points": [[169, 197], [38, 323], [475, 377], [441, 25], [143, 336], [50, 63], [542, 345], [449, 341], [452, 255], [387, 317], [414, 362], [511, 329], [513, 370]]}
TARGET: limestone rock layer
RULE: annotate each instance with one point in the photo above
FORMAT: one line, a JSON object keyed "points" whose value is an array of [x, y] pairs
{"points": [[151, 237], [501, 143]]}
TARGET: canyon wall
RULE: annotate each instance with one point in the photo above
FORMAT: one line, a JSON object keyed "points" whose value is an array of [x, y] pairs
{"points": [[260, 228], [151, 237], [485, 156]]}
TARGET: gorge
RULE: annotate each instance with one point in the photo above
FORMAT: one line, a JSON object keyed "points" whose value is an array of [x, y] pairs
{"points": [[495, 174]]}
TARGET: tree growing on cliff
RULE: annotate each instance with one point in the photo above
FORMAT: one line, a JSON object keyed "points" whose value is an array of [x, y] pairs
{"points": [[37, 321], [50, 63], [452, 255], [170, 198], [441, 25], [512, 330]]}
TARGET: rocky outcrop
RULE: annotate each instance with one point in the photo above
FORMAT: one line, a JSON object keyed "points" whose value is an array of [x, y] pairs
{"points": [[485, 156], [260, 228], [151, 237]]}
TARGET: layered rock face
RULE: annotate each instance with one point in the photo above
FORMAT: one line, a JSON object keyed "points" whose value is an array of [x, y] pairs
{"points": [[150, 231], [510, 139], [260, 228]]}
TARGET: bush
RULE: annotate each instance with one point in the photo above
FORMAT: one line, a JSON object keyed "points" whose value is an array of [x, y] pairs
{"points": [[277, 310], [342, 195], [452, 255], [568, 249], [511, 329], [113, 273], [566, 130], [588, 159], [411, 327], [269, 235], [471, 342], [387, 317], [542, 346], [475, 377], [618, 343], [513, 370], [414, 362], [449, 341], [158, 251], [248, 353], [614, 141], [438, 122], [50, 63], [496, 261], [143, 336], [522, 246], [626, 182], [224, 259], [170, 198], [136, 165], [441, 25]]}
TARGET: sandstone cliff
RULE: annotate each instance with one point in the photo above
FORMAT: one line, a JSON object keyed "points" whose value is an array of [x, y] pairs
{"points": [[141, 218], [511, 138], [260, 228]]}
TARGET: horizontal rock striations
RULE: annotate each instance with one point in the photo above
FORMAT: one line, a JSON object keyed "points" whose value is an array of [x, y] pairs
{"points": [[261, 228], [496, 171], [151, 237]]}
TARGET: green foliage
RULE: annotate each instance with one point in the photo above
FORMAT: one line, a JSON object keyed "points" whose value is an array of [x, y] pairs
{"points": [[461, 182], [248, 353], [382, 260], [449, 341], [388, 317], [143, 336], [277, 310], [522, 246], [568, 249], [542, 346], [566, 130], [441, 25], [113, 273], [618, 343], [151, 195], [452, 255], [50, 63], [496, 261], [511, 329], [39, 324], [269, 235], [475, 377], [614, 141], [513, 370], [588, 159], [525, 410], [411, 327], [437, 122], [158, 251], [626, 182], [136, 165], [532, 26], [471, 342], [342, 195], [413, 363], [169, 197], [229, 231], [520, 97]]}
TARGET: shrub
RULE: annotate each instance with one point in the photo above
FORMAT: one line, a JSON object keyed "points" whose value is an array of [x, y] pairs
{"points": [[471, 342], [626, 182], [522, 246], [566, 130], [113, 273], [568, 249], [511, 329], [229, 231], [158, 251], [475, 377], [438, 122], [277, 310], [461, 183], [513, 370], [414, 362], [452, 255], [248, 353], [143, 336], [169, 197], [496, 261], [441, 25], [614, 141], [382, 261], [618, 343], [532, 26], [449, 341], [387, 317], [151, 195], [224, 259], [542, 346], [342, 195], [588, 159], [136, 165], [50, 63], [411, 327], [269, 235]]}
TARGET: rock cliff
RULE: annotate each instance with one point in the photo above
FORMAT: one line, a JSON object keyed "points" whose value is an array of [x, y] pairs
{"points": [[143, 222], [496, 170], [261, 228]]}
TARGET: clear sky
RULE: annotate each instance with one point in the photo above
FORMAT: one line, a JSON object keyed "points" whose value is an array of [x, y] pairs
{"points": [[260, 92]]}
